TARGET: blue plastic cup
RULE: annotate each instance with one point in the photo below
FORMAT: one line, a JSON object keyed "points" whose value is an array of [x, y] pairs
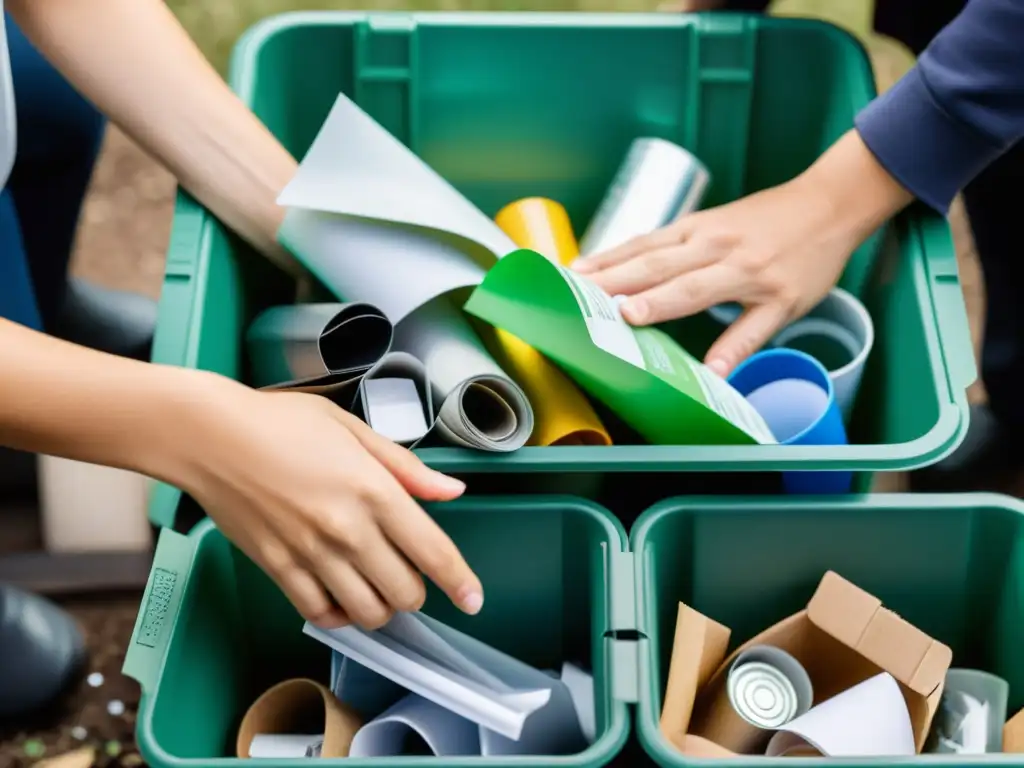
{"points": [[795, 396]]}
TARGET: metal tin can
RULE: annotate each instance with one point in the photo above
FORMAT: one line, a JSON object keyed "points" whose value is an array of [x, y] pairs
{"points": [[656, 183], [541, 225], [767, 687]]}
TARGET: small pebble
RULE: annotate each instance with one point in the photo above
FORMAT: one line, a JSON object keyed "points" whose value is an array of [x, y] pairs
{"points": [[112, 748], [95, 679], [115, 707], [34, 748], [79, 733]]}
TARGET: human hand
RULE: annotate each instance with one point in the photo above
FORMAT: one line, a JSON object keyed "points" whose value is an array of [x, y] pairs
{"points": [[776, 252], [322, 503]]}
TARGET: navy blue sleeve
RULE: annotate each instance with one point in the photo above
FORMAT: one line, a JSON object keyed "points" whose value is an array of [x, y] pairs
{"points": [[960, 108]]}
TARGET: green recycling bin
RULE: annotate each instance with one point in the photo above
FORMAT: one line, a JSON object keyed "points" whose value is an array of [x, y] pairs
{"points": [[563, 582], [507, 106]]}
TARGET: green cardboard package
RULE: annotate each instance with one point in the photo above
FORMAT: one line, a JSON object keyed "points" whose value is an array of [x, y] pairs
{"points": [[641, 374]]}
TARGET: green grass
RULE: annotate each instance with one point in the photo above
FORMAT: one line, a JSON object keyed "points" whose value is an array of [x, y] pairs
{"points": [[216, 24]]}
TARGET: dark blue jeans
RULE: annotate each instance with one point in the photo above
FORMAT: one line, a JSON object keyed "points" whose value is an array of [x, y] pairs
{"points": [[59, 136]]}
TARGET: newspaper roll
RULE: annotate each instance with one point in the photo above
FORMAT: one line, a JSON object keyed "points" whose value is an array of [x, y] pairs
{"points": [[314, 347], [480, 406]]}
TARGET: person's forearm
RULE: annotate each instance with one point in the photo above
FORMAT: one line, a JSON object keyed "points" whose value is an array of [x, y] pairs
{"points": [[135, 62], [959, 109], [64, 400]]}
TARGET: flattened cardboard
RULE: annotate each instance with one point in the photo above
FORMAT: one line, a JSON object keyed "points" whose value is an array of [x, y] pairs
{"points": [[842, 638], [698, 649]]}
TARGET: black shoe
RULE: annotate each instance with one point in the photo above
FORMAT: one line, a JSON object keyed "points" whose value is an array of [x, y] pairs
{"points": [[985, 459], [42, 652], [117, 322]]}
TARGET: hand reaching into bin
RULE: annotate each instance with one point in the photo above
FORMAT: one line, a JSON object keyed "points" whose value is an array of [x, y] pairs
{"points": [[954, 115], [777, 252], [309, 492]]}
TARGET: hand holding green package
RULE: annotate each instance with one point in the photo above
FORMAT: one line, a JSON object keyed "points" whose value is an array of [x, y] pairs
{"points": [[641, 374]]}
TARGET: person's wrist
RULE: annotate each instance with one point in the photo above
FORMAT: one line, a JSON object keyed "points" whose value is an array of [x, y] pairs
{"points": [[186, 409], [856, 192]]}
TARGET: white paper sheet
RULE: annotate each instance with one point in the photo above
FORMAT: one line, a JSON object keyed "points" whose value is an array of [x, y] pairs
{"points": [[469, 678], [357, 182], [868, 720], [285, 745], [394, 409], [445, 733]]}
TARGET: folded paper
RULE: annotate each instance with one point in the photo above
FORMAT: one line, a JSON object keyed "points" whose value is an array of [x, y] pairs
{"points": [[868, 720], [562, 414], [371, 220], [316, 345], [521, 709], [479, 406], [640, 373], [294, 708]]}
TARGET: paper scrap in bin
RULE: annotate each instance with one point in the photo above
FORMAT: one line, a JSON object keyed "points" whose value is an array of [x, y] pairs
{"points": [[641, 374], [868, 720], [520, 709]]}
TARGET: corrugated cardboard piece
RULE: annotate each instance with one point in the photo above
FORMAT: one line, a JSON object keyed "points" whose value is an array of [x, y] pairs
{"points": [[842, 638]]}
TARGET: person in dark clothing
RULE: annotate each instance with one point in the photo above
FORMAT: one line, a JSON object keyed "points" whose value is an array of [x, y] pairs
{"points": [[953, 123]]}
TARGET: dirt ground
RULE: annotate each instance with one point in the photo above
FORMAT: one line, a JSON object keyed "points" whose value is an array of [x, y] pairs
{"points": [[94, 725]]}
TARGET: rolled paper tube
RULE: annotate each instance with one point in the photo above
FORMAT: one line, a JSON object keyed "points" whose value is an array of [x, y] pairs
{"points": [[296, 707], [794, 395], [541, 225], [562, 414]]}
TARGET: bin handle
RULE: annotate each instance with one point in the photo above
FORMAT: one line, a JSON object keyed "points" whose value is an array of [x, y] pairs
{"points": [[158, 612], [950, 308]]}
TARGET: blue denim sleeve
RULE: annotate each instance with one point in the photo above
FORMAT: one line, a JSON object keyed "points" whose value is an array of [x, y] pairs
{"points": [[958, 109]]}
